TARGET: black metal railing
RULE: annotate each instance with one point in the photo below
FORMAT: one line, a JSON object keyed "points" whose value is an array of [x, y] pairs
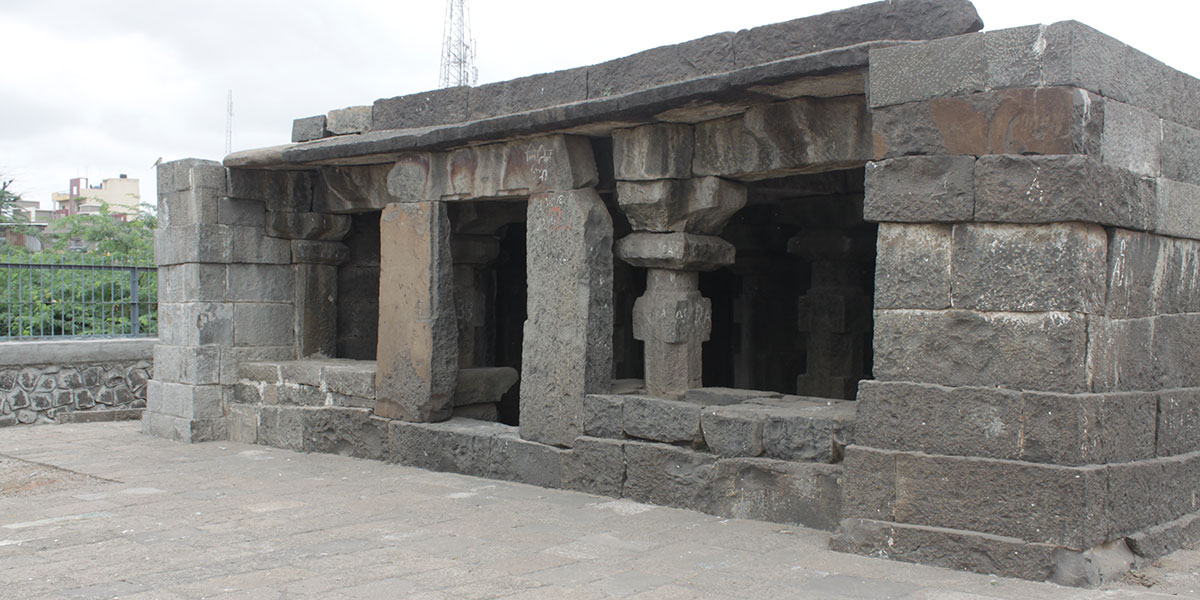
{"points": [[80, 297]]}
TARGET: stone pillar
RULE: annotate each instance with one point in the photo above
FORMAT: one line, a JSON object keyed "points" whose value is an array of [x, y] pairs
{"points": [[315, 265], [675, 220], [225, 292], [474, 287], [835, 313], [672, 318], [567, 349], [418, 332]]}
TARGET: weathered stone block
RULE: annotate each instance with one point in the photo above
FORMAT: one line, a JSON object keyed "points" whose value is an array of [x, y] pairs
{"points": [[352, 378], [345, 431], [515, 459], [262, 324], [912, 266], [920, 189], [700, 205], [1180, 153], [1033, 351], [190, 173], [1178, 211], [243, 423], [184, 430], [258, 283], [235, 211], [282, 427], [436, 107], [418, 336], [279, 190], [679, 251], [353, 189], [482, 385], [945, 67], [309, 128], [661, 420], [306, 225], [196, 323], [1047, 189], [924, 19], [352, 119], [602, 416], [735, 430], [186, 401], [777, 491], [1019, 268], [594, 466], [191, 282], [1174, 351], [527, 93], [1118, 356], [1037, 503], [797, 136], [462, 446], [657, 151], [231, 357], [196, 365], [291, 394], [814, 433], [1131, 138], [1151, 492], [1178, 422], [251, 246], [666, 475], [315, 310], [1029, 120], [193, 244], [567, 349], [196, 206]]}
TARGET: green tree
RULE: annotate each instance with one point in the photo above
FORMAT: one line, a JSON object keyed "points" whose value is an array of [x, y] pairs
{"points": [[127, 241]]}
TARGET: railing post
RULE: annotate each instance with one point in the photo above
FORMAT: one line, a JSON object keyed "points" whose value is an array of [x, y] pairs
{"points": [[135, 299]]}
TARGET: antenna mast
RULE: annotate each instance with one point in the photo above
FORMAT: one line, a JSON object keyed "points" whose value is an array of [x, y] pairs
{"points": [[458, 47], [229, 123]]}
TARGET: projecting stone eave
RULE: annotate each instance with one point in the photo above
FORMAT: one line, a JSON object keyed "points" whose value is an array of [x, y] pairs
{"points": [[840, 72]]}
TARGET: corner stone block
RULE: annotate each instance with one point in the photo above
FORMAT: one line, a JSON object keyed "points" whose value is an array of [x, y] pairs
{"points": [[279, 190], [416, 177], [1033, 351], [1132, 138], [567, 349], [1178, 211], [354, 189], [1049, 189], [1024, 268], [417, 355], [920, 189], [912, 266], [1178, 422], [1180, 153], [190, 173], [657, 151]]}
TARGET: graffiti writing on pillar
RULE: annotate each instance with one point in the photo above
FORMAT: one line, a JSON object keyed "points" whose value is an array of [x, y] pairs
{"points": [[557, 222], [539, 159]]}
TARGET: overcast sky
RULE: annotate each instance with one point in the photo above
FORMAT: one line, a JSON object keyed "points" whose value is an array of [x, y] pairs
{"points": [[100, 88]]}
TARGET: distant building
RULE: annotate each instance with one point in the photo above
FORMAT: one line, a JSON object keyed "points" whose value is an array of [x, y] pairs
{"points": [[122, 195]]}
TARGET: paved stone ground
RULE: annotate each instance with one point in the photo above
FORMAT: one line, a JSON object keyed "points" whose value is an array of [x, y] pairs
{"points": [[101, 511]]}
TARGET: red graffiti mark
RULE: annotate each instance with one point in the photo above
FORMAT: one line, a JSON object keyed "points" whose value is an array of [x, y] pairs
{"points": [[556, 219]]}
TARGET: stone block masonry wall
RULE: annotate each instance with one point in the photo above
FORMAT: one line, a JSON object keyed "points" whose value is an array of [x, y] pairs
{"points": [[44, 382], [1038, 263], [631, 448], [226, 291]]}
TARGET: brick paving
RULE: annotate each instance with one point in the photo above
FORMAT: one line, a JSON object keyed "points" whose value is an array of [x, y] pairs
{"points": [[101, 511]]}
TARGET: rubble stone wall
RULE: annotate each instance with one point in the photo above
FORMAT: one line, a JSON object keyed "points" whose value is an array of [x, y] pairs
{"points": [[44, 382]]}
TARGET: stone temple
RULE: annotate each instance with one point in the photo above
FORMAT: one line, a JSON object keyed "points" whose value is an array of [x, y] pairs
{"points": [[933, 289]]}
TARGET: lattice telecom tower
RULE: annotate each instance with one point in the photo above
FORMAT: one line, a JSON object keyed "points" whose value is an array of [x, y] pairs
{"points": [[458, 47]]}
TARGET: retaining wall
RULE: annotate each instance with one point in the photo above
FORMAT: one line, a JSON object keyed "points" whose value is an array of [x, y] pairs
{"points": [[49, 381]]}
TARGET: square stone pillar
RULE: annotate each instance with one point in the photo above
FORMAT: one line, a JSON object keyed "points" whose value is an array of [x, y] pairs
{"points": [[417, 355], [568, 335]]}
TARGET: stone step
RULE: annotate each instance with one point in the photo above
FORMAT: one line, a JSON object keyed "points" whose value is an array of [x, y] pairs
{"points": [[728, 423]]}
